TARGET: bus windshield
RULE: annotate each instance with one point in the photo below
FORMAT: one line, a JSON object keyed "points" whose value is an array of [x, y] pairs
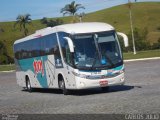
{"points": [[97, 50]]}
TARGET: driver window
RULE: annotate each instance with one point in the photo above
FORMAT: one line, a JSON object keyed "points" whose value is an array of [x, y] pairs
{"points": [[67, 54]]}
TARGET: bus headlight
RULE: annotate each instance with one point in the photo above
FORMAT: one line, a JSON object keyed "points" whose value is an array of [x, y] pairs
{"points": [[79, 75]]}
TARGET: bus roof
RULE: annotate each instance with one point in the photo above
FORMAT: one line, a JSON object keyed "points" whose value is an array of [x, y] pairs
{"points": [[86, 27], [74, 28]]}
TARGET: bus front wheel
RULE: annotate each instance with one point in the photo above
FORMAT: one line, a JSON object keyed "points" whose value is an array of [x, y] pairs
{"points": [[63, 87], [28, 85]]}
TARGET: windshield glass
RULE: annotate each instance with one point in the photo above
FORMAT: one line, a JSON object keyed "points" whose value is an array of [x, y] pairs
{"points": [[97, 50]]}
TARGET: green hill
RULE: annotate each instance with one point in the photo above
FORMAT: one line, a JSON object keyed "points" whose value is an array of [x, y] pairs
{"points": [[145, 15]]}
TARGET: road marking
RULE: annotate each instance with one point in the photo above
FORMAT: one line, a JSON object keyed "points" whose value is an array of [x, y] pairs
{"points": [[142, 59], [8, 71]]}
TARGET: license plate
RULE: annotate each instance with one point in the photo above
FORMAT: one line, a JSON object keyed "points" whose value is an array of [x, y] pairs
{"points": [[103, 83]]}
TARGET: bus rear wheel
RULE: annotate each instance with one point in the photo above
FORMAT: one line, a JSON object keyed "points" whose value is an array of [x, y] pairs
{"points": [[63, 87], [28, 85]]}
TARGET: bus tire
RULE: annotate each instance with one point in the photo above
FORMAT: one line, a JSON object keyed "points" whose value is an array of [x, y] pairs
{"points": [[28, 85], [63, 87]]}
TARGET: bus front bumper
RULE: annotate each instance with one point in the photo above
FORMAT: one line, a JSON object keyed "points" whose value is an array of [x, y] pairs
{"points": [[83, 83]]}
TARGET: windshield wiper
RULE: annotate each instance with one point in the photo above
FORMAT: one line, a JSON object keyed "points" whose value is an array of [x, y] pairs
{"points": [[97, 47], [94, 62], [97, 51], [109, 60]]}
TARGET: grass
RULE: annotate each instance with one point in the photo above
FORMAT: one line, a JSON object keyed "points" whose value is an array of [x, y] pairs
{"points": [[7, 67], [141, 54], [144, 15]]}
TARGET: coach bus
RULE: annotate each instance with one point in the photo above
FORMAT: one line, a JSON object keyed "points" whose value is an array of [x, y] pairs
{"points": [[70, 57]]}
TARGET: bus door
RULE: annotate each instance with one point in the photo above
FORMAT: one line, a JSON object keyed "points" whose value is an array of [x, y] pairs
{"points": [[68, 59]]}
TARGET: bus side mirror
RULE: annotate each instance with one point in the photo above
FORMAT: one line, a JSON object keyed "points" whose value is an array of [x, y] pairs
{"points": [[70, 44], [125, 38]]}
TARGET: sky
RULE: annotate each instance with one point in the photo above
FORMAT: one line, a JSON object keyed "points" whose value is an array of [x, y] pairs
{"points": [[10, 9]]}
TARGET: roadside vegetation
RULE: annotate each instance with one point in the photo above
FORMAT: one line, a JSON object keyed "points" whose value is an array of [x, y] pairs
{"points": [[72, 9], [22, 21], [51, 22], [142, 54], [7, 67], [145, 20]]}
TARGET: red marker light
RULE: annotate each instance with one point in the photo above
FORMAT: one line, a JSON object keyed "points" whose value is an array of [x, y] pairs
{"points": [[38, 36]]}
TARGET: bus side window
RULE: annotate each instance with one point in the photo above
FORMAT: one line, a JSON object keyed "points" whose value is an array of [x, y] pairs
{"points": [[47, 44], [17, 51]]}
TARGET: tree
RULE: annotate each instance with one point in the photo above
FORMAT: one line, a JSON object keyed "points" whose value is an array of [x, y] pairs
{"points": [[51, 23], [22, 21], [4, 58], [59, 21], [55, 22], [156, 45], [140, 37], [44, 20], [71, 9], [1, 30], [3, 49], [80, 16]]}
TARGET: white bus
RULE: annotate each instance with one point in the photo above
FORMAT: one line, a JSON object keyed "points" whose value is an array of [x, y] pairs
{"points": [[70, 57]]}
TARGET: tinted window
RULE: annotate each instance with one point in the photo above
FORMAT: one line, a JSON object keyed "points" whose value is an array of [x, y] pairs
{"points": [[37, 47], [49, 44]]}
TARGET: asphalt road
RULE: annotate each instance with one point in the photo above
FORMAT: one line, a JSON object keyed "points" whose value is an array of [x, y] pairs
{"points": [[140, 94]]}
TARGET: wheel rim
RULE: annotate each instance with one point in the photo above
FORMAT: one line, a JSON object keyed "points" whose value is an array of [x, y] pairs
{"points": [[28, 85], [62, 85]]}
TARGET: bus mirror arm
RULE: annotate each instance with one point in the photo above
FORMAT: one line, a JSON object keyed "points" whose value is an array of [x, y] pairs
{"points": [[125, 38], [70, 44]]}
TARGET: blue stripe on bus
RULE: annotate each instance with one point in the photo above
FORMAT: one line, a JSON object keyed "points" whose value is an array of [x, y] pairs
{"points": [[117, 68], [27, 64]]}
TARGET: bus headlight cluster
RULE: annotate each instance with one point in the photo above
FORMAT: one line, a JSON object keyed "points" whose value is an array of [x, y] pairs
{"points": [[79, 75], [109, 75], [87, 76]]}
